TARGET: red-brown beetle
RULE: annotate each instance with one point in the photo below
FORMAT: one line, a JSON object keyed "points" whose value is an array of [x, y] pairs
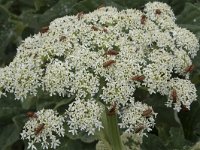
{"points": [[39, 129], [108, 63], [147, 113]]}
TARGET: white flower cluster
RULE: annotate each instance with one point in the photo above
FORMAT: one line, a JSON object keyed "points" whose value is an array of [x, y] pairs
{"points": [[137, 117], [132, 141], [106, 55], [182, 93], [43, 127], [84, 116]]}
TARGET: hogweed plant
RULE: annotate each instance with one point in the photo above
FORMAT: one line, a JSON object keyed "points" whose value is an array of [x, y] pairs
{"points": [[99, 60]]}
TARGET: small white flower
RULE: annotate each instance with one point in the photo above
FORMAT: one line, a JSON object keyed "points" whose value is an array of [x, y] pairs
{"points": [[182, 93], [161, 14], [137, 117], [57, 78], [186, 40], [84, 115], [44, 129]]}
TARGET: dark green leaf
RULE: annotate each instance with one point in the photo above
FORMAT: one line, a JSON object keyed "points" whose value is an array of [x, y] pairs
{"points": [[190, 122], [8, 135], [152, 142], [9, 108]]}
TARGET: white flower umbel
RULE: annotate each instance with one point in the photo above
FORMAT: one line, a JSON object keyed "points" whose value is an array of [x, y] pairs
{"points": [[182, 94], [161, 14], [106, 55], [57, 78], [181, 62], [137, 117], [85, 116], [117, 50], [186, 40], [43, 127]]}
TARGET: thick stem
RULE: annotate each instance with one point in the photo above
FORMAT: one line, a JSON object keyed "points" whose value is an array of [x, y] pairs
{"points": [[113, 132]]}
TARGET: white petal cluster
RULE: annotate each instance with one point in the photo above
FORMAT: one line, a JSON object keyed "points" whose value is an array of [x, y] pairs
{"points": [[189, 43], [57, 78], [43, 128], [161, 14], [84, 116], [105, 55], [137, 117], [132, 141], [185, 94]]}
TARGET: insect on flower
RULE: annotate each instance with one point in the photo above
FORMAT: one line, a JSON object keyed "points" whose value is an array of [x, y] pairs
{"points": [[184, 108], [138, 78], [143, 19], [158, 12], [147, 113], [62, 38], [95, 28], [108, 63], [189, 68], [111, 52], [39, 129], [139, 129], [80, 15], [174, 95], [31, 114], [112, 110], [44, 29], [105, 30]]}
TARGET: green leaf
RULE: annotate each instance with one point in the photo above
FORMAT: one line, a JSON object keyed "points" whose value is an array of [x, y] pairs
{"points": [[39, 3], [64, 102], [190, 122], [190, 18], [36, 21], [10, 33], [152, 142], [8, 135], [29, 103], [20, 121], [177, 140], [9, 108], [166, 116], [45, 102]]}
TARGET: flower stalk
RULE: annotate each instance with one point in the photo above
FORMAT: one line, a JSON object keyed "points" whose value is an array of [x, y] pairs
{"points": [[111, 132]]}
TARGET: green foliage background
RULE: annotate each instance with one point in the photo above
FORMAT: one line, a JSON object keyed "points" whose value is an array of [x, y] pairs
{"points": [[22, 18]]}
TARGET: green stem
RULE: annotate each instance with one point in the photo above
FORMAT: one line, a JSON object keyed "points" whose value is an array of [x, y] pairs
{"points": [[111, 132]]}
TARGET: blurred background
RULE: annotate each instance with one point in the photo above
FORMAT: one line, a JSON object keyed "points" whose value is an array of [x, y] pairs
{"points": [[22, 18]]}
